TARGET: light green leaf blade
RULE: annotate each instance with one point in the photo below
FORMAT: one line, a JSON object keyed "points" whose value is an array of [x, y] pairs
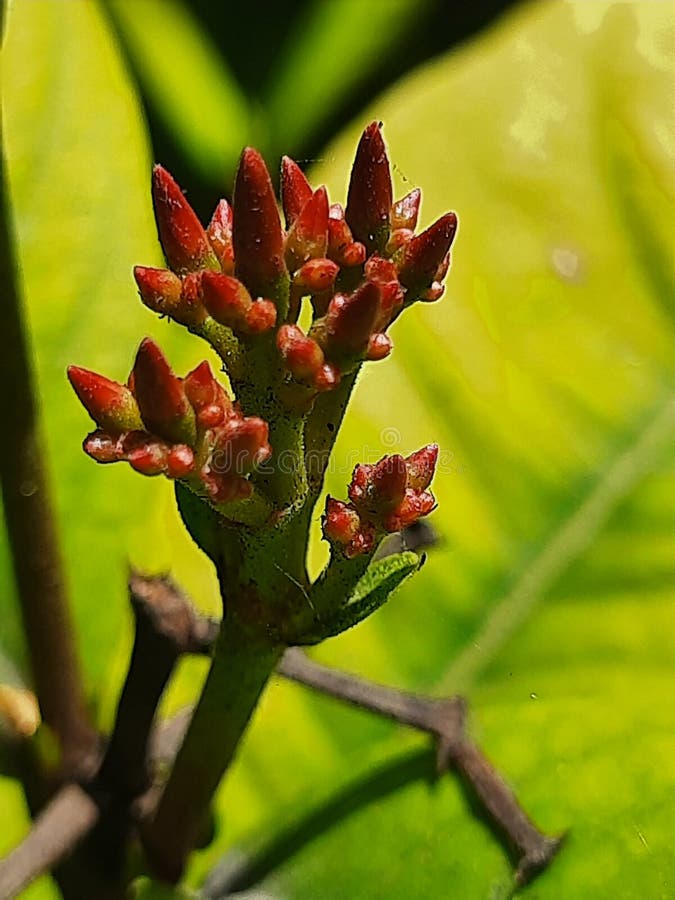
{"points": [[188, 82], [546, 375], [334, 48]]}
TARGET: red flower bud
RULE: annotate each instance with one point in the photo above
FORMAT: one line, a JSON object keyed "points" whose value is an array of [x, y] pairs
{"points": [[161, 396], [258, 237], [219, 234], [180, 461], [419, 259], [225, 298], [369, 199], [204, 391], [341, 244], [421, 467], [241, 446], [327, 377], [378, 489], [308, 236], [302, 355], [295, 189], [111, 405], [379, 346], [341, 521], [102, 447], [149, 459], [316, 275], [351, 318], [405, 211], [183, 239], [160, 289], [261, 316], [413, 506], [226, 488]]}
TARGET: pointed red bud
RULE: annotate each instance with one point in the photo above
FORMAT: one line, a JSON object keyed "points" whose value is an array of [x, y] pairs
{"points": [[341, 521], [405, 211], [205, 392], [413, 506], [302, 355], [351, 318], [261, 316], [111, 405], [219, 234], [421, 466], [160, 289], [161, 396], [308, 236], [379, 346], [380, 488], [183, 239], [295, 189], [225, 298], [398, 239], [316, 275], [258, 237], [419, 260], [369, 199]]}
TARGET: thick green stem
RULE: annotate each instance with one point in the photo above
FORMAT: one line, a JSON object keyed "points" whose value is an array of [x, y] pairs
{"points": [[242, 664]]}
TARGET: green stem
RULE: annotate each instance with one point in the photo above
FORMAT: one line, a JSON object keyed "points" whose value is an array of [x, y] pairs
{"points": [[242, 664]]}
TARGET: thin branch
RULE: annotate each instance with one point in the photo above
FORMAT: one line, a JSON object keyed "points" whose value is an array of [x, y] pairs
{"points": [[30, 521], [59, 828], [445, 720]]}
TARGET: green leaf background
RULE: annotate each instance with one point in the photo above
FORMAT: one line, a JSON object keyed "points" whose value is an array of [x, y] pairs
{"points": [[547, 375]]}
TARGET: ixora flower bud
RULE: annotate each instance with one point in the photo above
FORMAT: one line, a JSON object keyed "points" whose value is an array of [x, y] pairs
{"points": [[385, 497], [257, 233], [295, 189], [219, 234], [308, 236], [405, 211], [183, 239], [302, 355], [163, 292], [165, 408], [420, 259], [111, 405], [369, 200], [351, 319]]}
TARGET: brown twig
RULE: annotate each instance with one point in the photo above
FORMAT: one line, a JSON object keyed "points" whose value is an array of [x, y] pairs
{"points": [[445, 720], [30, 522], [64, 822]]}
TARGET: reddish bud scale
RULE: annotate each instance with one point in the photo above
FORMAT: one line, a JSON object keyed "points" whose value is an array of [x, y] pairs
{"points": [[308, 236], [421, 466], [257, 234], [241, 446], [412, 507], [295, 189], [150, 459], [111, 405], [419, 260], [183, 239], [102, 447], [180, 462], [327, 377], [161, 396], [226, 488], [369, 198], [342, 248], [219, 234], [378, 489], [160, 289]]}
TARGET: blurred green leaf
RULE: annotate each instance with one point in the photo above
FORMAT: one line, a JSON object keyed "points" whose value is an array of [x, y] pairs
{"points": [[188, 82], [334, 50], [547, 376]]}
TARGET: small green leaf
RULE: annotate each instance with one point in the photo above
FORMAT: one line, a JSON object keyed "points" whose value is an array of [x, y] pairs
{"points": [[373, 590]]}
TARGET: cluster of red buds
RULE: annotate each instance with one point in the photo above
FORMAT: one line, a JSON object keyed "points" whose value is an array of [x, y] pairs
{"points": [[185, 428], [385, 497], [360, 266]]}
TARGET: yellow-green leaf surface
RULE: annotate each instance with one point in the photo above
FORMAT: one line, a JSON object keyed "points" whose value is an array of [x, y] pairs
{"points": [[546, 374]]}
